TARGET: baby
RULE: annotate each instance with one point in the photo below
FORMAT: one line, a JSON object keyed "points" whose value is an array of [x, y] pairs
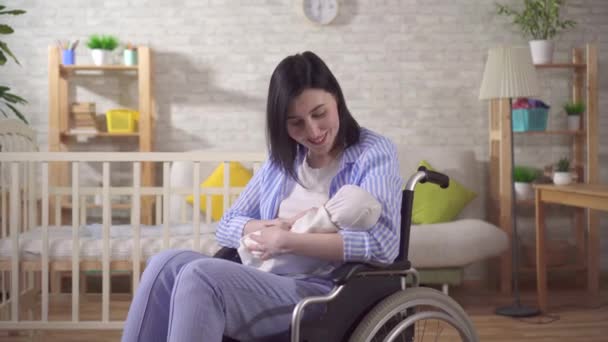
{"points": [[351, 208]]}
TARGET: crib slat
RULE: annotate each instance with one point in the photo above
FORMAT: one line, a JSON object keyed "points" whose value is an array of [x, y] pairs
{"points": [[45, 242], [166, 194], [75, 242], [196, 213], [106, 221], [23, 188], [14, 226], [135, 218]]}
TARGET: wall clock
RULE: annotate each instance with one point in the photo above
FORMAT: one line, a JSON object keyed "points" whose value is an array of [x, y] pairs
{"points": [[320, 12]]}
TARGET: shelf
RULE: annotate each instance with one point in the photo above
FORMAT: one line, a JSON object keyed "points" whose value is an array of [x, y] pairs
{"points": [[565, 268], [90, 67], [561, 66], [564, 132], [99, 134]]}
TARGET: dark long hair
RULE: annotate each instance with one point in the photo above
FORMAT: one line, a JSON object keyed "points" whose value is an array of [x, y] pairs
{"points": [[292, 76]]}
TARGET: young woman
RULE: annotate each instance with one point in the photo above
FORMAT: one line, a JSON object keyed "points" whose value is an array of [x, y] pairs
{"points": [[315, 147]]}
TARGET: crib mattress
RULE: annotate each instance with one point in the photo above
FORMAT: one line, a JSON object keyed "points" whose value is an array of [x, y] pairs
{"points": [[60, 243]]}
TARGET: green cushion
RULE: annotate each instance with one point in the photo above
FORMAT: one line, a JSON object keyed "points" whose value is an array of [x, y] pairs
{"points": [[433, 204]]}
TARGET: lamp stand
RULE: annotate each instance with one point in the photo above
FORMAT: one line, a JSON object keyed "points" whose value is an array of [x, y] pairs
{"points": [[515, 309]]}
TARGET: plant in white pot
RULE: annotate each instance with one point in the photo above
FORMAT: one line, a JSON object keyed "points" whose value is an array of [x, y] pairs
{"points": [[562, 174], [523, 177], [540, 21], [574, 111], [101, 47]]}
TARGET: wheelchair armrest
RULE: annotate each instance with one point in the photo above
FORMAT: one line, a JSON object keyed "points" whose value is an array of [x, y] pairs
{"points": [[344, 273], [229, 254]]}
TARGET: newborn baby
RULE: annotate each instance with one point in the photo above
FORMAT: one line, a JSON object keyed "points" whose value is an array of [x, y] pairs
{"points": [[351, 208]]}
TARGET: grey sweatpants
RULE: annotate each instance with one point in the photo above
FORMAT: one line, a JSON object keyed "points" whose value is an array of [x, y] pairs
{"points": [[187, 296]]}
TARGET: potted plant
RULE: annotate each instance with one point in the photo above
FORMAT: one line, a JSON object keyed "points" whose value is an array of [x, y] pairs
{"points": [[540, 21], [523, 177], [574, 111], [8, 100], [101, 46], [562, 174]]}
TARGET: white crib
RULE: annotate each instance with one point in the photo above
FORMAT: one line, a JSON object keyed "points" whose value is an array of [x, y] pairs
{"points": [[34, 251]]}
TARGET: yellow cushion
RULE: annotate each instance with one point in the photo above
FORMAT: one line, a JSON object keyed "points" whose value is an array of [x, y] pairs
{"points": [[239, 177], [433, 204]]}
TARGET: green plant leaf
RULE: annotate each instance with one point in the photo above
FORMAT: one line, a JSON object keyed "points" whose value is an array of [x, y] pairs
{"points": [[13, 12], [5, 48], [5, 29], [2, 58], [17, 112], [12, 98]]}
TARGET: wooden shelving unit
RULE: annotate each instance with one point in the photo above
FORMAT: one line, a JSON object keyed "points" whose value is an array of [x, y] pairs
{"points": [[60, 138], [584, 68]]}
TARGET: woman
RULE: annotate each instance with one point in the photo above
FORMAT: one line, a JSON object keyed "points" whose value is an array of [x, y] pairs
{"points": [[316, 147]]}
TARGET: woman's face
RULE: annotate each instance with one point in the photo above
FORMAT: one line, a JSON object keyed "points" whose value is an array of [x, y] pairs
{"points": [[313, 121]]}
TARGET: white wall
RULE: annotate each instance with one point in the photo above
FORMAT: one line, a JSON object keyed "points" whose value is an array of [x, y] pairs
{"points": [[410, 69]]}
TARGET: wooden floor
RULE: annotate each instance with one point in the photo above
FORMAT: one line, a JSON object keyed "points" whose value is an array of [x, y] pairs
{"points": [[573, 316]]}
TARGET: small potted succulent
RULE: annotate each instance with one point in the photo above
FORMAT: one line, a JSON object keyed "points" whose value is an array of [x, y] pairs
{"points": [[539, 20], [523, 177], [101, 46], [562, 174], [574, 111]]}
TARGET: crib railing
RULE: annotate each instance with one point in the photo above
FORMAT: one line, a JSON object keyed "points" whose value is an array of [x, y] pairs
{"points": [[27, 196]]}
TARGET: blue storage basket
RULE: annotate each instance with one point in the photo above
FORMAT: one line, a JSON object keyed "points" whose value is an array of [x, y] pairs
{"points": [[529, 119]]}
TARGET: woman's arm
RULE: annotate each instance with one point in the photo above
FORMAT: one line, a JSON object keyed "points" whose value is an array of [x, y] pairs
{"points": [[377, 172], [244, 215], [274, 240]]}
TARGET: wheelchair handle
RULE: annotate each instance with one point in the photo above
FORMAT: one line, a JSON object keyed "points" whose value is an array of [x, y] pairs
{"points": [[424, 175]]}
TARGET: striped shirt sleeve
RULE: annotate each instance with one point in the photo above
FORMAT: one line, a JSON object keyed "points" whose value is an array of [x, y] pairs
{"points": [[246, 208], [379, 168]]}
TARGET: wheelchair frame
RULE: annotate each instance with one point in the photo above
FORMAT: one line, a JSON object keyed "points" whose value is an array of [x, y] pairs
{"points": [[401, 267]]}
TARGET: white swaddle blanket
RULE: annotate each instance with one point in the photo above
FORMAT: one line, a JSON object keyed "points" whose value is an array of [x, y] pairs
{"points": [[351, 208]]}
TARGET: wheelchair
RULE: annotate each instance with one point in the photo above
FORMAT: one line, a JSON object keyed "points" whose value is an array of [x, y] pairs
{"points": [[377, 303]]}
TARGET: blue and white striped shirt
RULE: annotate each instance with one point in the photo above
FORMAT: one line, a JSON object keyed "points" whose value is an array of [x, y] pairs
{"points": [[371, 164]]}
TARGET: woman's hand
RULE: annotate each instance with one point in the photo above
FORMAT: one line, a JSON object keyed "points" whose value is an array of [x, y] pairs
{"points": [[271, 240]]}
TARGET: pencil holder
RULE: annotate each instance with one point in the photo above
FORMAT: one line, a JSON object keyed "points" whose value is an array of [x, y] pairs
{"points": [[130, 57], [68, 57]]}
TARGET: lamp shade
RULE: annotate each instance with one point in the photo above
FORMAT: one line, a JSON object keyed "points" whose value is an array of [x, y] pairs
{"points": [[509, 73]]}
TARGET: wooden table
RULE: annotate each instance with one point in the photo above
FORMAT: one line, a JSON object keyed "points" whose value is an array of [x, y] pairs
{"points": [[588, 196]]}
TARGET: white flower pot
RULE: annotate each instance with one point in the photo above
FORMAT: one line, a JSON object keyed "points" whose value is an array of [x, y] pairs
{"points": [[574, 122], [562, 178], [523, 191], [542, 51], [100, 57]]}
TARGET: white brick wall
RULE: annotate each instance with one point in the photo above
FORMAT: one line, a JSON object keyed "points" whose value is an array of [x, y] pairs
{"points": [[410, 69]]}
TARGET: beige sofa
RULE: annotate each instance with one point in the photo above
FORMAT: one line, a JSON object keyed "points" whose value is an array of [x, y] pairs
{"points": [[444, 253]]}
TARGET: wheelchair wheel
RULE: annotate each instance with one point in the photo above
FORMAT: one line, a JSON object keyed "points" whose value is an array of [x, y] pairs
{"points": [[415, 314]]}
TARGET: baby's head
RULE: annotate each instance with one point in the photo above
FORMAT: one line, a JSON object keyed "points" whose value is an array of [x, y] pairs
{"points": [[354, 208]]}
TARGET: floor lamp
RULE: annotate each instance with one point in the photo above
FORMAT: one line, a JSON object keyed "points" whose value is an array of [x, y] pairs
{"points": [[509, 73]]}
